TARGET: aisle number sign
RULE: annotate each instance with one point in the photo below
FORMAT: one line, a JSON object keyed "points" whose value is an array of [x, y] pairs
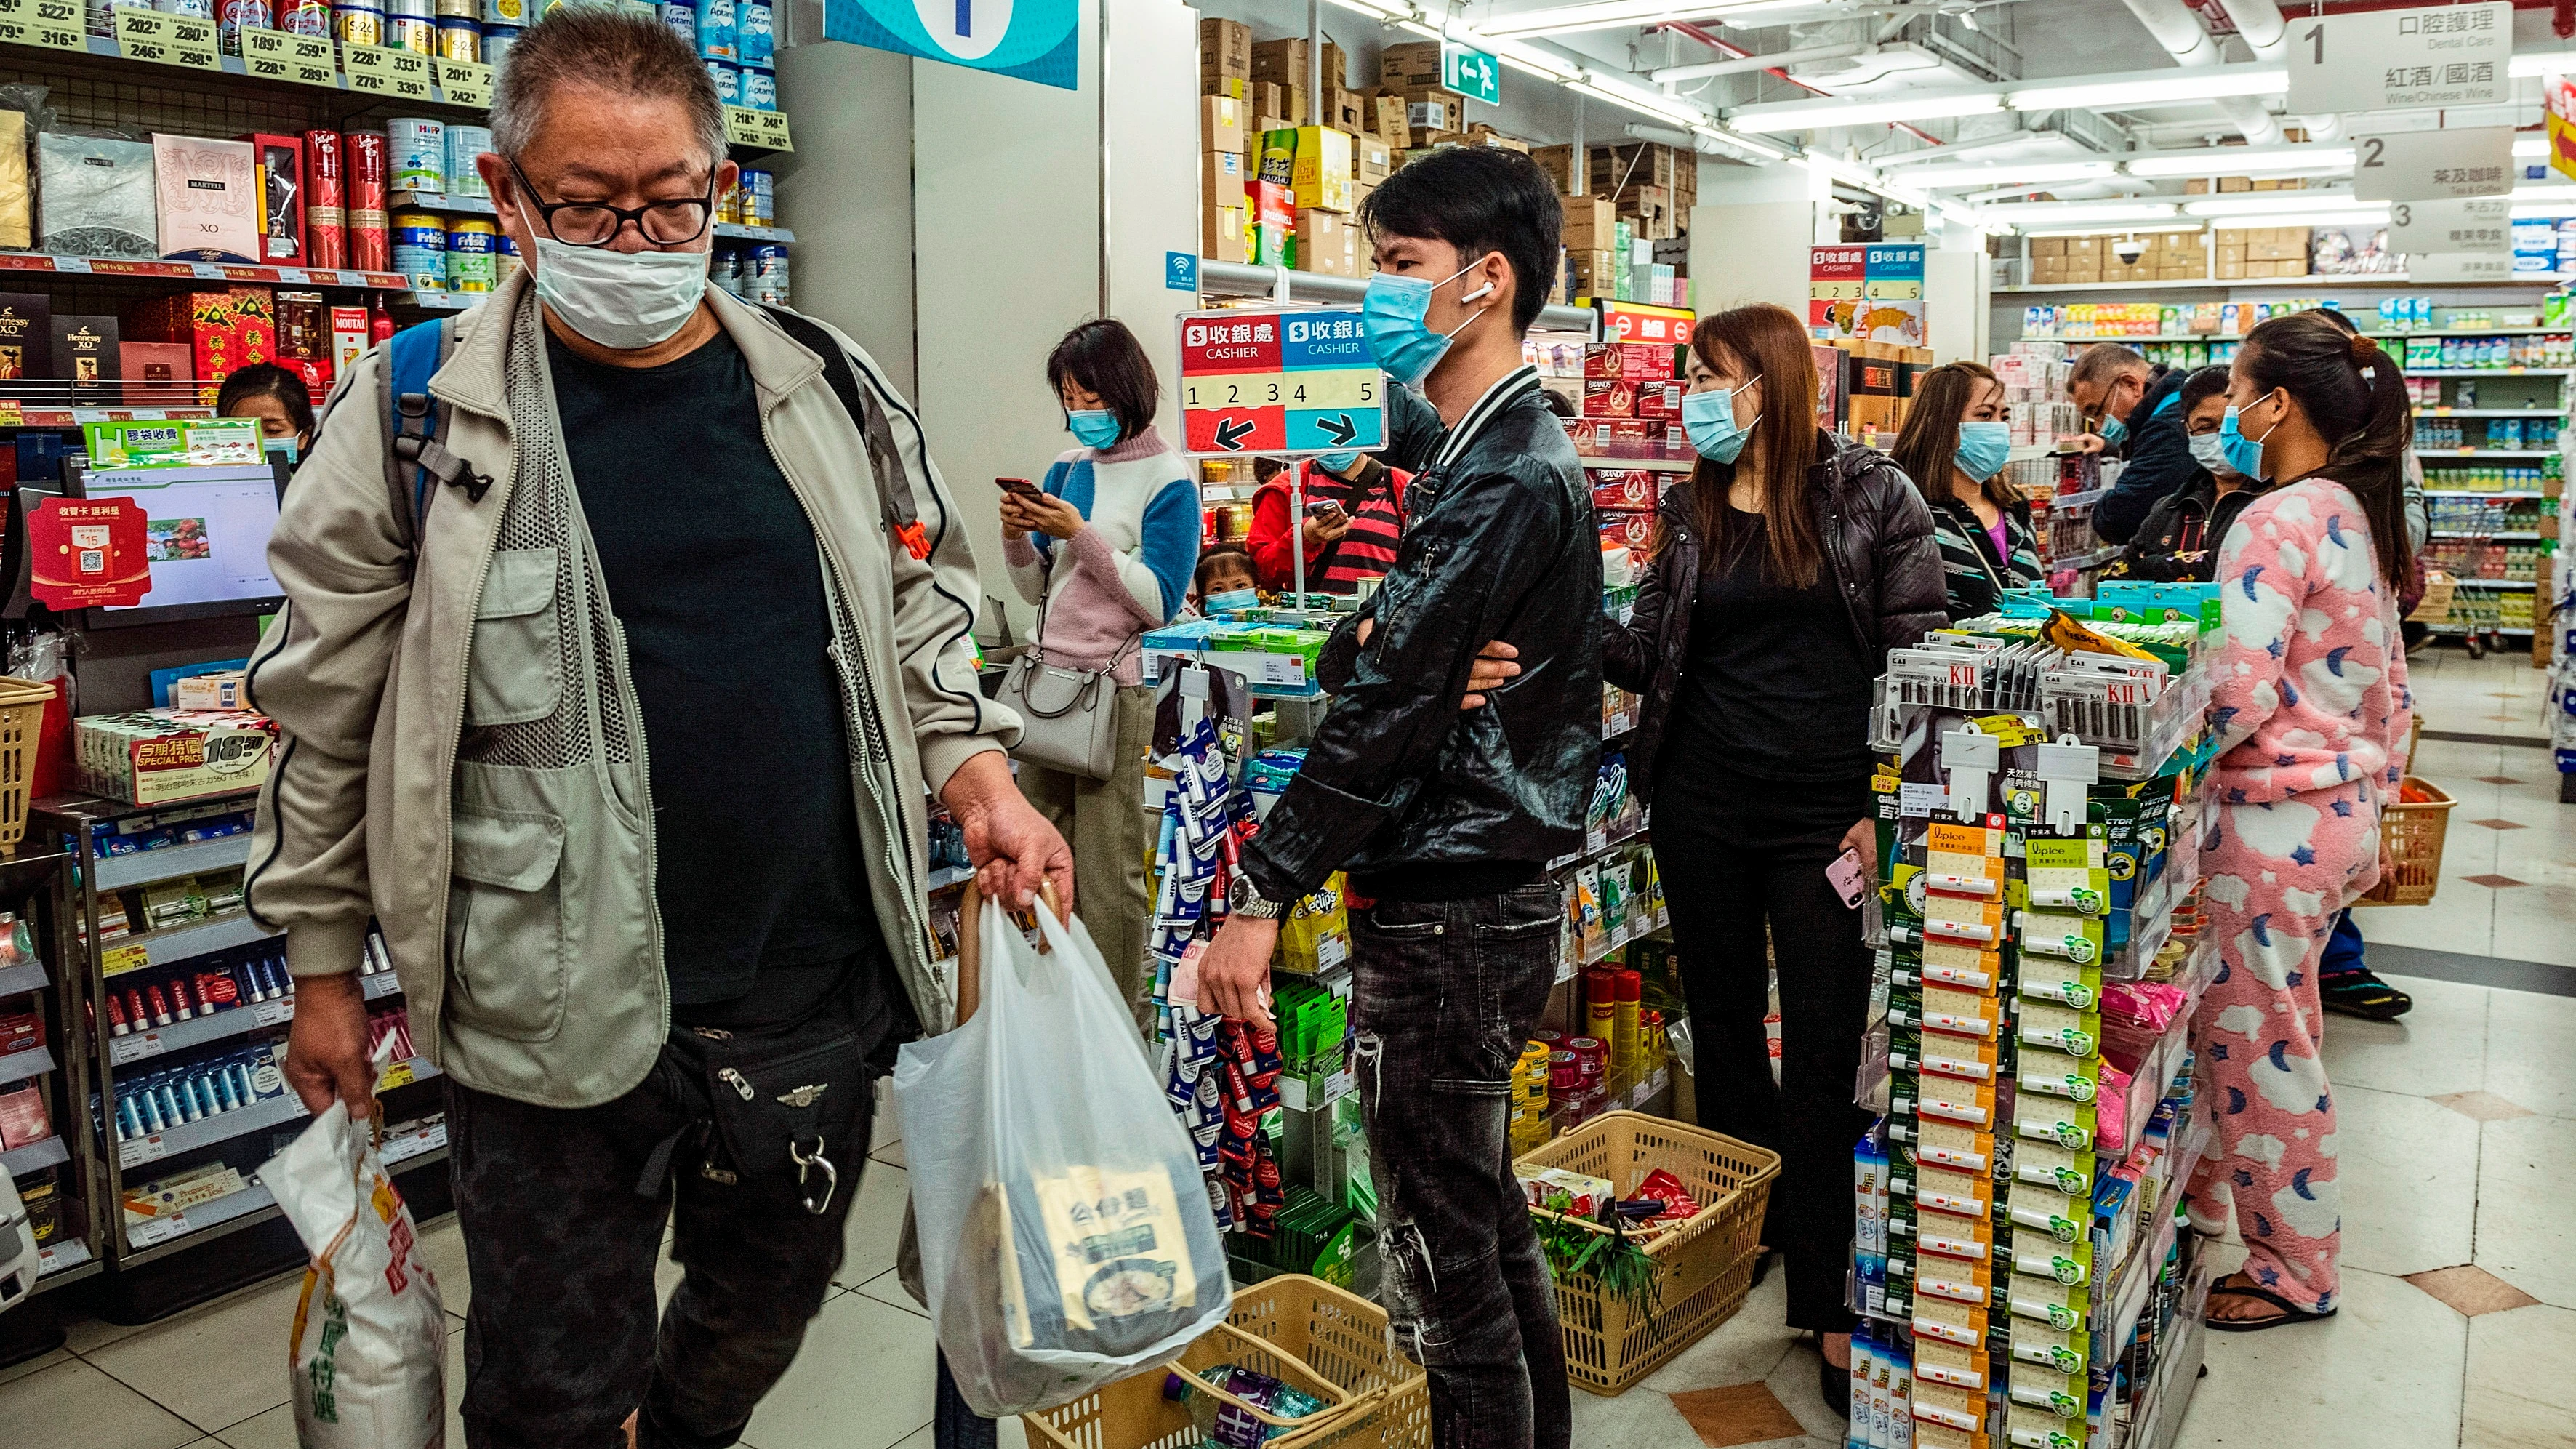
{"points": [[2378, 60], [1279, 383], [2483, 224], [1033, 40], [2444, 165]]}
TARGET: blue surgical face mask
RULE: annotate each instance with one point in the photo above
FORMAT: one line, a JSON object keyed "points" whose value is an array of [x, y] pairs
{"points": [[2210, 452], [2113, 431], [2243, 454], [1336, 463], [1984, 448], [1392, 313], [1708, 420], [1231, 600], [1093, 427]]}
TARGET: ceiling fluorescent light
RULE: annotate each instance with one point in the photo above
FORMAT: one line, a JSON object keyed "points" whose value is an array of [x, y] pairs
{"points": [[2055, 229], [2365, 214], [2006, 174], [2069, 213], [2149, 88], [2536, 192], [1810, 115], [1531, 59], [2530, 148], [1744, 144], [1418, 28], [2243, 161], [1645, 105], [1617, 14], [2547, 62], [2252, 201], [1386, 13]]}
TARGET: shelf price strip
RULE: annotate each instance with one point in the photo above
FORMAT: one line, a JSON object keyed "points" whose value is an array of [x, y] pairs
{"points": [[1279, 383]]}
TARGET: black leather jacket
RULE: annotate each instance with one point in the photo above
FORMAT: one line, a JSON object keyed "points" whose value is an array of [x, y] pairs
{"points": [[1500, 545], [1878, 540]]}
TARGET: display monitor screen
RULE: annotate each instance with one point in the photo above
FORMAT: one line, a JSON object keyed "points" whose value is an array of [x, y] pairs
{"points": [[206, 535]]}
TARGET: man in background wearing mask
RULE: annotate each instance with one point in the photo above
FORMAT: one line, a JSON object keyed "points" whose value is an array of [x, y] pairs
{"points": [[2133, 411], [1445, 817], [619, 715], [2178, 541]]}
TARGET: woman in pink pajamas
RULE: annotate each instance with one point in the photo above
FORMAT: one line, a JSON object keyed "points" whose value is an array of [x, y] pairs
{"points": [[2310, 701]]}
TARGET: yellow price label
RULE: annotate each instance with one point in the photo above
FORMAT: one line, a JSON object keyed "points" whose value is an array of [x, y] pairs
{"points": [[397, 1074], [370, 68], [53, 24], [773, 131], [192, 43], [143, 35], [742, 125], [281, 55], [116, 960], [466, 83]]}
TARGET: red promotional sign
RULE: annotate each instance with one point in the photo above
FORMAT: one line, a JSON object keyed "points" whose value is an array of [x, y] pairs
{"points": [[87, 552], [1639, 322]]}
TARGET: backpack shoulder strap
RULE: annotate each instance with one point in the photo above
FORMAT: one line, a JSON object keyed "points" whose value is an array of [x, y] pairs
{"points": [[896, 506], [418, 455]]}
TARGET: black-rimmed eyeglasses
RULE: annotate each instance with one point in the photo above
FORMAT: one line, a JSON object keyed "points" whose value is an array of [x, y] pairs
{"points": [[593, 224]]}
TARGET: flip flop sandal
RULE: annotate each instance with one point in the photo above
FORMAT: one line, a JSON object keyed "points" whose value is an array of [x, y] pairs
{"points": [[2361, 994], [2290, 1312]]}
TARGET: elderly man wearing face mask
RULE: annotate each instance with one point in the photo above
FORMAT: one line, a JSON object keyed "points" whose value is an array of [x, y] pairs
{"points": [[613, 684]]}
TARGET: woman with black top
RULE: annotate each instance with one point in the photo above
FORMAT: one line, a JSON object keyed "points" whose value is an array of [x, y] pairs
{"points": [[1954, 446], [1786, 567]]}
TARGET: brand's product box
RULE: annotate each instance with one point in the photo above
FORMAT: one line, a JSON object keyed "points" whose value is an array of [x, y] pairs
{"points": [[281, 198], [1409, 66], [95, 197], [1630, 398], [1224, 234], [1326, 243], [1625, 490], [156, 756], [348, 337], [84, 351], [303, 339], [26, 339], [1372, 161], [1320, 175], [1634, 361], [225, 689], [208, 193], [156, 373]]}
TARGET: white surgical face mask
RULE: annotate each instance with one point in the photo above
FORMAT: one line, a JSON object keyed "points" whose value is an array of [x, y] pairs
{"points": [[624, 300]]}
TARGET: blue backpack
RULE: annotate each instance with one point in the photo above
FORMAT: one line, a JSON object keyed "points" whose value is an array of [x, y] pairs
{"points": [[419, 457]]}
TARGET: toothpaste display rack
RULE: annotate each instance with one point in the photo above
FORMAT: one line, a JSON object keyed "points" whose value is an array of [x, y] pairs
{"points": [[2020, 1273], [193, 1084], [49, 1169]]}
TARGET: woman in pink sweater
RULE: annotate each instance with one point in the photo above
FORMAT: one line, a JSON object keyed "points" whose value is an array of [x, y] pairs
{"points": [[2311, 707]]}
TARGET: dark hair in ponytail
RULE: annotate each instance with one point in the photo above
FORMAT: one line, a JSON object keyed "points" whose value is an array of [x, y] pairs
{"points": [[2355, 396]]}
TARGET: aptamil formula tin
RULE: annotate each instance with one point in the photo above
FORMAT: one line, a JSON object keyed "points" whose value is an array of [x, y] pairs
{"points": [[682, 18], [419, 153], [728, 79], [754, 42], [716, 20], [757, 201], [420, 250], [759, 89]]}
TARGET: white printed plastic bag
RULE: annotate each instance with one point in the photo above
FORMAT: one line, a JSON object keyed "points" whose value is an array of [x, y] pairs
{"points": [[369, 1350], [1066, 1238]]}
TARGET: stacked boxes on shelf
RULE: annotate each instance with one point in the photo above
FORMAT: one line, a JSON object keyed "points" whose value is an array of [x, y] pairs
{"points": [[1276, 186], [1626, 234]]}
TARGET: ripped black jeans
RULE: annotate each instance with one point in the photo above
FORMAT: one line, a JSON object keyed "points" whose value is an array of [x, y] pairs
{"points": [[1445, 996]]}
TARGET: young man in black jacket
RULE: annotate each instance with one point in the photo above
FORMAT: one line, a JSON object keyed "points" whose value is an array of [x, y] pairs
{"points": [[1446, 817], [2141, 414]]}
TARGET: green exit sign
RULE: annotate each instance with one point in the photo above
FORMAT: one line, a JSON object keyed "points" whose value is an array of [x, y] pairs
{"points": [[1471, 73]]}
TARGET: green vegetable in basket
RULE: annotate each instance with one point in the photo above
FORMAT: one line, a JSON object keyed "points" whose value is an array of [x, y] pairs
{"points": [[1617, 1266]]}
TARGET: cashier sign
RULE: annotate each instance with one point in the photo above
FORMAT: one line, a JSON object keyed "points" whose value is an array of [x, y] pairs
{"points": [[1279, 383]]}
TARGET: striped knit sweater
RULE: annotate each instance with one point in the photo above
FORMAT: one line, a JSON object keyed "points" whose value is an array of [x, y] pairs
{"points": [[1125, 572], [1975, 577]]}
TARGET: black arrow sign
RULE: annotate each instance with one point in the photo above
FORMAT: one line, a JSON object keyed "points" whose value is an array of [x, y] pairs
{"points": [[1340, 430], [1230, 433]]}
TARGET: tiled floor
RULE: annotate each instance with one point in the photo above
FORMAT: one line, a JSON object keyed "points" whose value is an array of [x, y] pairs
{"points": [[2458, 1141]]}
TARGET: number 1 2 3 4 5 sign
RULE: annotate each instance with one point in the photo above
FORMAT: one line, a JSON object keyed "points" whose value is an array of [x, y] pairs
{"points": [[1279, 383]]}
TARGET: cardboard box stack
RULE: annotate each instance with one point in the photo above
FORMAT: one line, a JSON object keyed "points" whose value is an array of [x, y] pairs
{"points": [[1624, 235], [2263, 251], [1280, 179]]}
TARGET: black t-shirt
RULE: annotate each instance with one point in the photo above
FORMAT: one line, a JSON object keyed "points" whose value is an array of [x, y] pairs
{"points": [[1775, 686], [713, 574]]}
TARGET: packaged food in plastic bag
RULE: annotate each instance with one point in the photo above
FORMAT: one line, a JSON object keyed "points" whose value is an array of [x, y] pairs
{"points": [[1066, 1237], [369, 1350]]}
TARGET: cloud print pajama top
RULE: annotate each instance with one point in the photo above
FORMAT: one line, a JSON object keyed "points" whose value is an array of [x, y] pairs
{"points": [[2311, 704]]}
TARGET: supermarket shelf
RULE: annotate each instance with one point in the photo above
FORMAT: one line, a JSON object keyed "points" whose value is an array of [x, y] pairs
{"points": [[256, 1203], [2239, 336], [239, 1122], [2093, 560], [30, 977], [42, 1153], [1595, 847], [2509, 536], [1637, 929], [1650, 465], [2370, 280], [135, 267], [2455, 631], [180, 943], [119, 872], [2130, 1291], [2519, 586], [221, 1025], [2436, 411], [2489, 371], [33, 1062], [2484, 493], [2439, 454], [1241, 279], [946, 876], [452, 204], [104, 48], [74, 417]]}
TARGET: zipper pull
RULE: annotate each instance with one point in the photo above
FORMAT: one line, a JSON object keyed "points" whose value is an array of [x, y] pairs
{"points": [[734, 1079]]}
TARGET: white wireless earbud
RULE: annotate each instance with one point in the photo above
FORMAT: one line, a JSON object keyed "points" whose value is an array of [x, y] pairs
{"points": [[1472, 296]]}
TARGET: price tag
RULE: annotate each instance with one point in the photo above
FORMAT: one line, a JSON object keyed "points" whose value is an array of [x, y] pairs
{"points": [[117, 959], [192, 43], [134, 1152], [368, 68], [409, 72], [53, 24], [143, 35], [71, 264], [209, 271], [270, 1013], [742, 125], [135, 1048], [157, 1230], [397, 1074], [772, 126], [466, 83], [281, 55]]}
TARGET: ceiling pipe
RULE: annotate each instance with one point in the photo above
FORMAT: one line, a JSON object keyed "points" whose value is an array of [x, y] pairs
{"points": [[2260, 25], [2178, 31], [1742, 64], [1733, 51]]}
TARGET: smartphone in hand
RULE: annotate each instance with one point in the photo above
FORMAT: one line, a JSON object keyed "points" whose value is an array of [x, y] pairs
{"points": [[1020, 486], [1849, 880]]}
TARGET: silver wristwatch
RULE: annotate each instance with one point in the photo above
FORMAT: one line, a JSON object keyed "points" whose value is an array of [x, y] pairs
{"points": [[1246, 900]]}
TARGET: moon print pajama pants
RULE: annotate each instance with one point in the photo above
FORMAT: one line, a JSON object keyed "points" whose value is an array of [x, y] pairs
{"points": [[2277, 874]]}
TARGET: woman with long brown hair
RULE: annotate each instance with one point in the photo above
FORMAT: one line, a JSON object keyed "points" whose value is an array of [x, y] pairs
{"points": [[1954, 447], [1787, 566], [2310, 705]]}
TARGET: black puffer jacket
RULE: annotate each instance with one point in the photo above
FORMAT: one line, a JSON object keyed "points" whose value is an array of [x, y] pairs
{"points": [[1878, 540], [1500, 544]]}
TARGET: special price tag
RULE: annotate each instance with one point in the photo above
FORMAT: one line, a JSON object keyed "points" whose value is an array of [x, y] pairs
{"points": [[382, 70], [466, 83], [53, 24], [283, 55]]}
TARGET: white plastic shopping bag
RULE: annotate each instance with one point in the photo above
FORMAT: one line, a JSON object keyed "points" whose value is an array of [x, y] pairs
{"points": [[1066, 1238], [368, 1356]]}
